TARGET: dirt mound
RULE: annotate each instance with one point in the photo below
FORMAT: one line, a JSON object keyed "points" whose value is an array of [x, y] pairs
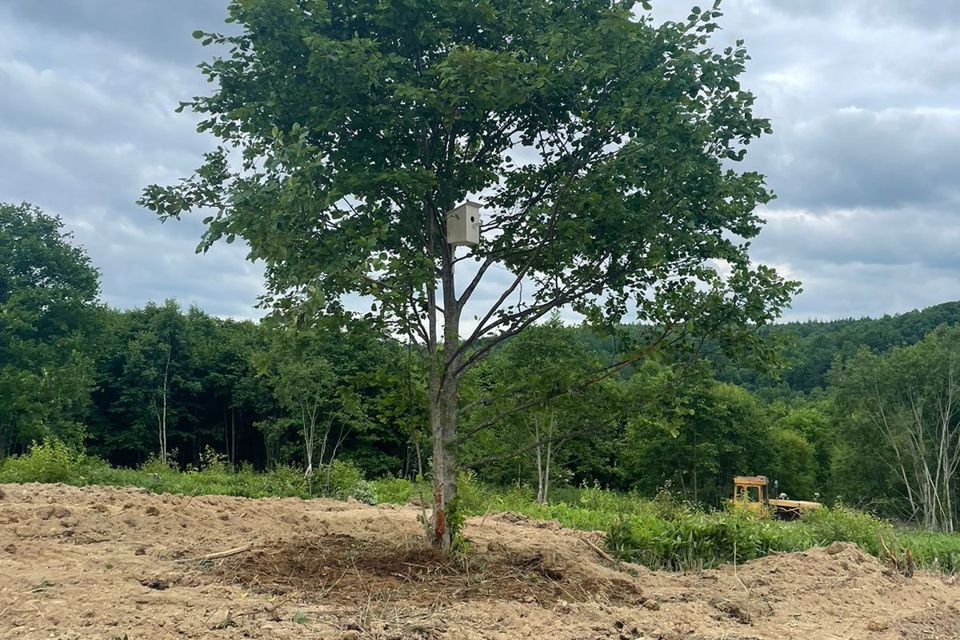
{"points": [[349, 570], [107, 563]]}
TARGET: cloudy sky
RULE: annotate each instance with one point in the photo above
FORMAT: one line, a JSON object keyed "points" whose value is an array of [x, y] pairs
{"points": [[864, 96]]}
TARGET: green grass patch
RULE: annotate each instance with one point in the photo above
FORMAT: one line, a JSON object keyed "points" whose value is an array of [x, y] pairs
{"points": [[53, 461]]}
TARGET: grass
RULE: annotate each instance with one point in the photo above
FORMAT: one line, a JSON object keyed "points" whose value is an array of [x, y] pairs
{"points": [[53, 461], [660, 532]]}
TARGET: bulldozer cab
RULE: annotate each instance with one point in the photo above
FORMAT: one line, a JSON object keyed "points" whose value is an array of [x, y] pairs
{"points": [[750, 490]]}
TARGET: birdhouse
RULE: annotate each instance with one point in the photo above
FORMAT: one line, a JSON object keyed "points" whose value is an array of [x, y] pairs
{"points": [[463, 225]]}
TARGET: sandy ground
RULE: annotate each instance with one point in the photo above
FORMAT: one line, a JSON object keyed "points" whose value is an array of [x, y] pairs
{"points": [[110, 563]]}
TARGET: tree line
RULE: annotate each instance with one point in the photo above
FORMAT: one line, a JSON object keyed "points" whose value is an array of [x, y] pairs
{"points": [[879, 430]]}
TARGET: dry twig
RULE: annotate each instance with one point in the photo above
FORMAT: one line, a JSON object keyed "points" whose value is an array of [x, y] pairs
{"points": [[219, 554]]}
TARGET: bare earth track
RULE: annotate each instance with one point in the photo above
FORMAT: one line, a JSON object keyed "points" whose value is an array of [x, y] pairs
{"points": [[101, 562]]}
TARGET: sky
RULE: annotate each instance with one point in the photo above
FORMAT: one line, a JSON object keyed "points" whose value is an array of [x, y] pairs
{"points": [[863, 95]]}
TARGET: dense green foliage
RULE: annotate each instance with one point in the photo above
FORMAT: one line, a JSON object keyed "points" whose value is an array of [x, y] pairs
{"points": [[47, 287], [812, 348], [545, 411]]}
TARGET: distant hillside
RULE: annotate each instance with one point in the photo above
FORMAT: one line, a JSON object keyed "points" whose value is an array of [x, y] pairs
{"points": [[812, 347]]}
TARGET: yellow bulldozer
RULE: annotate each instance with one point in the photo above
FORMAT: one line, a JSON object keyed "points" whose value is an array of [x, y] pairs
{"points": [[752, 493]]}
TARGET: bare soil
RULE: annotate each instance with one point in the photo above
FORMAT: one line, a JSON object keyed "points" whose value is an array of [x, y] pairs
{"points": [[100, 562]]}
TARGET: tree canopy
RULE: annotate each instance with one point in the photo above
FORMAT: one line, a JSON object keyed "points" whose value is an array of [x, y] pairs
{"points": [[47, 288]]}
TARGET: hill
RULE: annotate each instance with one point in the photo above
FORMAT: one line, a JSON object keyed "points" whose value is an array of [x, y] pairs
{"points": [[810, 348]]}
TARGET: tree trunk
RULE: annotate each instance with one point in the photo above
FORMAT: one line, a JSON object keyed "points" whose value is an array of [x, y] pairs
{"points": [[552, 448], [226, 432], [546, 473], [162, 417], [541, 470], [443, 422], [309, 421], [416, 444], [443, 405]]}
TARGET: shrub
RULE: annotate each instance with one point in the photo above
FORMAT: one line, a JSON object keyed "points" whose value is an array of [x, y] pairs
{"points": [[51, 461], [847, 525], [343, 479], [212, 460], [393, 490], [157, 466], [281, 481], [364, 493]]}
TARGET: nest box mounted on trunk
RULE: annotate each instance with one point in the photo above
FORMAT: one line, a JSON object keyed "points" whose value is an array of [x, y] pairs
{"points": [[463, 225]]}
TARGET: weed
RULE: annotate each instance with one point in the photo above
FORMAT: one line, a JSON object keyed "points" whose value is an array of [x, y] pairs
{"points": [[226, 623], [299, 617], [393, 490], [52, 461]]}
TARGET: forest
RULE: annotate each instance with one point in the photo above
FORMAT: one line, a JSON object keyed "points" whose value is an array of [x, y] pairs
{"points": [[860, 412]]}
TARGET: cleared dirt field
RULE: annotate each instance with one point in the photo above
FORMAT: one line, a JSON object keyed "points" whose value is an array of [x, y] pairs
{"points": [[109, 563]]}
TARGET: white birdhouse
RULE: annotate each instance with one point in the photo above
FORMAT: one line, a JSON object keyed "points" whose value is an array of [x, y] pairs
{"points": [[463, 225]]}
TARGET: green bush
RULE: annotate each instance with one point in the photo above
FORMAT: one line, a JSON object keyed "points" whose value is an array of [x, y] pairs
{"points": [[847, 525], [343, 479], [472, 496], [393, 490], [157, 466], [284, 482], [52, 461]]}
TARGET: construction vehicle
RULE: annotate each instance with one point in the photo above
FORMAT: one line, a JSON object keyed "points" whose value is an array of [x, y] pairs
{"points": [[752, 492]]}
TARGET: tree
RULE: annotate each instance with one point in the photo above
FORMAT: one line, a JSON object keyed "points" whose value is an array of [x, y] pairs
{"points": [[603, 146], [159, 375], [401, 402], [691, 433], [48, 290], [903, 408], [532, 395], [793, 464], [803, 468], [314, 394]]}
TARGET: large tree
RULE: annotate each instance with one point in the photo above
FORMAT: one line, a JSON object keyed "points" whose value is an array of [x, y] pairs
{"points": [[602, 145], [691, 433], [47, 293], [314, 392]]}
